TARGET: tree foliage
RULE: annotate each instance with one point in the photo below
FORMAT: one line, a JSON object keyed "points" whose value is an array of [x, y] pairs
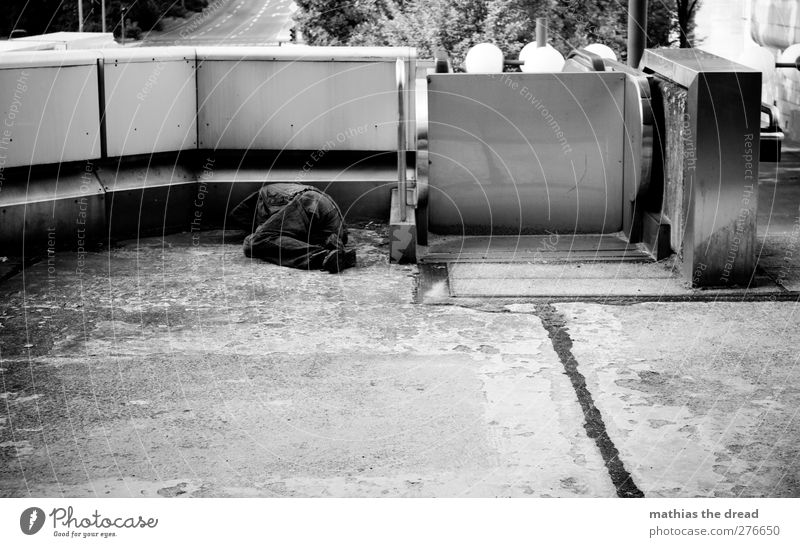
{"points": [[429, 25], [455, 25], [685, 11], [332, 22]]}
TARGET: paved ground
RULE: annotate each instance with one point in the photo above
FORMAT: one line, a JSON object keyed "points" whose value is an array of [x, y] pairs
{"points": [[181, 368], [229, 22], [168, 368]]}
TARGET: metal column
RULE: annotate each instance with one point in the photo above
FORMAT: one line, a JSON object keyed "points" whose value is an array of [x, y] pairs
{"points": [[400, 68], [637, 31]]}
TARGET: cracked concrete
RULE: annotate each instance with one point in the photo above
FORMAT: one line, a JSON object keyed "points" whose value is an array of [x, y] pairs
{"points": [[701, 399], [169, 369]]}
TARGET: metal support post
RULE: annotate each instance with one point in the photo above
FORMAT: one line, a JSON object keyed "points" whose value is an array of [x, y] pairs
{"points": [[541, 31], [637, 31], [400, 71]]}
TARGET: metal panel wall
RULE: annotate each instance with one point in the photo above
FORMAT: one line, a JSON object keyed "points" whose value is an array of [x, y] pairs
{"points": [[149, 198], [54, 210], [49, 108], [150, 100], [297, 105], [526, 153]]}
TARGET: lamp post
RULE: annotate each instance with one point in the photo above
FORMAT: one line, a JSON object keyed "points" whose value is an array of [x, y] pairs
{"points": [[103, 14], [541, 31], [637, 31], [80, 15], [122, 21]]}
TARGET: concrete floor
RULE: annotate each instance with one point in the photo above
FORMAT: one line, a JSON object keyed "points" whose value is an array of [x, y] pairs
{"points": [[191, 369], [177, 367], [173, 369]]}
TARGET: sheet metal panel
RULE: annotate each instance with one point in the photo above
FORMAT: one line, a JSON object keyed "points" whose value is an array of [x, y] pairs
{"points": [[49, 58], [284, 105], [526, 153], [73, 40], [49, 108], [13, 45], [683, 66], [151, 100], [361, 188], [145, 198], [54, 211]]}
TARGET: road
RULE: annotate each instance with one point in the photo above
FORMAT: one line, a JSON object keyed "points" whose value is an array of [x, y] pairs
{"points": [[230, 22]]}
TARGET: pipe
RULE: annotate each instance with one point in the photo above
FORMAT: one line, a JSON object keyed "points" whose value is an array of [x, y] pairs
{"points": [[400, 71], [795, 64], [637, 31], [541, 31]]}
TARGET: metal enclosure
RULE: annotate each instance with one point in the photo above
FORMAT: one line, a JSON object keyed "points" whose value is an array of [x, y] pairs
{"points": [[526, 153], [150, 100], [49, 107], [336, 99], [712, 119]]}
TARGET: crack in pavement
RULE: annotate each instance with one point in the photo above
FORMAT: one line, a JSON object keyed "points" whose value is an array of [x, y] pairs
{"points": [[555, 324]]}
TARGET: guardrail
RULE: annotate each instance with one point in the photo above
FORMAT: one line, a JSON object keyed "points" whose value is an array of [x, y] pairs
{"points": [[148, 118]]}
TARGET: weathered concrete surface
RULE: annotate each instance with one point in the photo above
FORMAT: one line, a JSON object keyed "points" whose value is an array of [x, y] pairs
{"points": [[700, 399], [173, 369], [779, 218], [167, 368]]}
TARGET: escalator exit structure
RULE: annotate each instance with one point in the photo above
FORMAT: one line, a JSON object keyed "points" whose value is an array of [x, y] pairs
{"points": [[599, 163]]}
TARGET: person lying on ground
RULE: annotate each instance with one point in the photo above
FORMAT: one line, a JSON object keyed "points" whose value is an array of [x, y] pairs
{"points": [[296, 226]]}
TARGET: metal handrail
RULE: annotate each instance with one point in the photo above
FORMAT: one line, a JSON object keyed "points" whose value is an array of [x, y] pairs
{"points": [[588, 59], [400, 71], [795, 64]]}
